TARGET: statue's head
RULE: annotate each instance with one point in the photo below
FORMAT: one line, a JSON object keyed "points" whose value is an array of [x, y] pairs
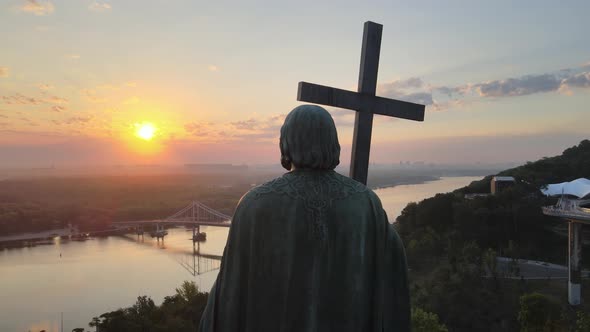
{"points": [[309, 139]]}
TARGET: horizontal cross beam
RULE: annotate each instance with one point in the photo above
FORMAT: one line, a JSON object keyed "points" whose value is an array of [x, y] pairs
{"points": [[325, 95]]}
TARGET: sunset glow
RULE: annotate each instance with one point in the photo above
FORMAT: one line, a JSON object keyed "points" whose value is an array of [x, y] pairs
{"points": [[145, 131], [192, 99], [145, 144]]}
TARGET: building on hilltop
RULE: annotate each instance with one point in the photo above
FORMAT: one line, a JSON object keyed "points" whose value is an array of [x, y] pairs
{"points": [[500, 183]]}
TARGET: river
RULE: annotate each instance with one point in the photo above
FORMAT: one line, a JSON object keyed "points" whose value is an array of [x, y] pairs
{"points": [[83, 279]]}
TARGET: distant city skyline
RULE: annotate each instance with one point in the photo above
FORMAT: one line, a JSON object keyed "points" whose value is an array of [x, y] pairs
{"points": [[503, 82]]}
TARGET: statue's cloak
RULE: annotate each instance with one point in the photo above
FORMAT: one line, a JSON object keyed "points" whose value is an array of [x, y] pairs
{"points": [[310, 251]]}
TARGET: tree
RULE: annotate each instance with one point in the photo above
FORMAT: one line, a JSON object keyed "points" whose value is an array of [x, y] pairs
{"points": [[538, 313], [94, 323], [180, 312], [187, 291], [423, 321], [582, 322]]}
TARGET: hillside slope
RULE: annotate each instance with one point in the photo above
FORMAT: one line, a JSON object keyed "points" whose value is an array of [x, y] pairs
{"points": [[451, 241]]}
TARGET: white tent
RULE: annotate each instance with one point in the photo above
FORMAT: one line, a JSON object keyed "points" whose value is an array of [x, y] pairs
{"points": [[579, 188]]}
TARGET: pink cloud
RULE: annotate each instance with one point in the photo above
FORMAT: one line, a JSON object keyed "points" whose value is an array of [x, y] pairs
{"points": [[38, 7], [19, 99], [100, 7]]}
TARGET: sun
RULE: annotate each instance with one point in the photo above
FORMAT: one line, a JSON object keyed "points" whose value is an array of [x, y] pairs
{"points": [[145, 131]]}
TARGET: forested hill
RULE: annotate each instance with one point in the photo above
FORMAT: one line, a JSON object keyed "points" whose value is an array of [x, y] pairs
{"points": [[573, 163], [450, 241]]}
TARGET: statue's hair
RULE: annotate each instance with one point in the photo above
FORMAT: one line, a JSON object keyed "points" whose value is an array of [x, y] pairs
{"points": [[309, 139]]}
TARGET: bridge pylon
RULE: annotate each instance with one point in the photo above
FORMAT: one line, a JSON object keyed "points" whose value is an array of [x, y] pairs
{"points": [[198, 212]]}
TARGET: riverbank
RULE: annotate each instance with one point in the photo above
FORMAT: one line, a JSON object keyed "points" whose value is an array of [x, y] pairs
{"points": [[33, 239], [376, 182], [394, 199], [113, 271], [385, 178], [42, 204], [402, 181], [36, 235]]}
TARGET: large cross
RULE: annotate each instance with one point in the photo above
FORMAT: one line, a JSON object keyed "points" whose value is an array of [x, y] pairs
{"points": [[364, 101]]}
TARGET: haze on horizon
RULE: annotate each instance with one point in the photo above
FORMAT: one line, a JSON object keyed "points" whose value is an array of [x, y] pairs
{"points": [[503, 82]]}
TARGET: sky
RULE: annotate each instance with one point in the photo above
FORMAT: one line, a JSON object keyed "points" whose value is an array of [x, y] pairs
{"points": [[502, 81]]}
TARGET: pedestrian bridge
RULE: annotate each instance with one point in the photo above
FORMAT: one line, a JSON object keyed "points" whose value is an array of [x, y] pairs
{"points": [[194, 215]]}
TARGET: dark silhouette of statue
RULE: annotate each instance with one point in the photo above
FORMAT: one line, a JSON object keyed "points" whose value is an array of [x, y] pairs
{"points": [[311, 250]]}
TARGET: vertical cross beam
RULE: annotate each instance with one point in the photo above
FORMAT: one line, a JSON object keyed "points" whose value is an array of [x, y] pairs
{"points": [[363, 122]]}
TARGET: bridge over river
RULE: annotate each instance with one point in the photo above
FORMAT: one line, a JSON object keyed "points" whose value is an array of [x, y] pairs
{"points": [[194, 215]]}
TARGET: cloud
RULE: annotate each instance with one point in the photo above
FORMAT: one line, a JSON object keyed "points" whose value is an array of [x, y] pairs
{"points": [[91, 96], [412, 82], [45, 87], [262, 136], [77, 120], [521, 86], [4, 71], [131, 84], [199, 129], [38, 7], [28, 121], [581, 80], [258, 129], [250, 124], [450, 104], [443, 97], [272, 122], [213, 68], [451, 91], [56, 100], [19, 99], [424, 98], [412, 90], [208, 131], [58, 108], [252, 129], [73, 56], [99, 7], [560, 81]]}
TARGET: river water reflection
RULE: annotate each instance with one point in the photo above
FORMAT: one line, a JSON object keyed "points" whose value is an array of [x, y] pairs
{"points": [[87, 278]]}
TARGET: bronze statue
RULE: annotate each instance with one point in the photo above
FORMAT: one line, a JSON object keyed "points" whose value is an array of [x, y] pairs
{"points": [[311, 250]]}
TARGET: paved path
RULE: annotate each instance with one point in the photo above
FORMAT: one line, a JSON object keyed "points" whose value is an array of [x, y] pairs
{"points": [[533, 269]]}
